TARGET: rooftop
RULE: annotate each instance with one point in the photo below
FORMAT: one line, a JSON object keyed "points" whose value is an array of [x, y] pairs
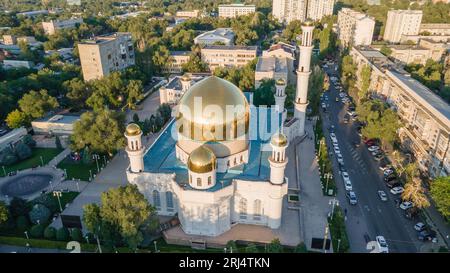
{"points": [[62, 119], [180, 53], [175, 82], [231, 47], [269, 63], [226, 33]]}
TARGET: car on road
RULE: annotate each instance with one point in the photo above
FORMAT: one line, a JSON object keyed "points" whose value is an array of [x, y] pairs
{"points": [[332, 135], [324, 106], [406, 205], [341, 168], [420, 226], [397, 190], [373, 148], [342, 94], [382, 195], [336, 150], [351, 195], [340, 159], [347, 182], [382, 244]]}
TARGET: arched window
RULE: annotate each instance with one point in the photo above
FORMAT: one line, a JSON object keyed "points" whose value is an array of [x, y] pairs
{"points": [[243, 208], [242, 158], [156, 199], [209, 180], [257, 209], [169, 200], [199, 182]]}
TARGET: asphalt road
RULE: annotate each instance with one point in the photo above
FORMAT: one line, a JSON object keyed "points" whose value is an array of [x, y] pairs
{"points": [[370, 215]]}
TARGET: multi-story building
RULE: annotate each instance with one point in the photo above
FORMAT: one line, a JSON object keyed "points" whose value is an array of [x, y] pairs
{"points": [[223, 36], [33, 13], [51, 27], [234, 10], [290, 10], [435, 29], [227, 56], [442, 1], [13, 40], [188, 13], [286, 51], [176, 61], [269, 67], [355, 28], [176, 87], [104, 54], [425, 116], [401, 22]]}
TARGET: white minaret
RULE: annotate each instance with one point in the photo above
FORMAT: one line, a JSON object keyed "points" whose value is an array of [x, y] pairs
{"points": [[185, 82], [278, 162], [280, 97], [134, 148], [303, 72]]}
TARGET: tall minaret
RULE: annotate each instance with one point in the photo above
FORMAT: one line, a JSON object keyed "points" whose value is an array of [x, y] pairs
{"points": [[303, 72], [280, 97], [134, 148], [278, 190]]}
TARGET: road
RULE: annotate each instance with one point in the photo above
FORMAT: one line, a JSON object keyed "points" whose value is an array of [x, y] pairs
{"points": [[370, 215]]}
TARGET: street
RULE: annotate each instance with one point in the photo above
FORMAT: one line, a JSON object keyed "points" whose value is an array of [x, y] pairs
{"points": [[370, 215]]}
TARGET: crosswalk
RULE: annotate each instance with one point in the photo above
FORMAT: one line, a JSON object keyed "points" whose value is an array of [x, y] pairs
{"points": [[355, 155]]}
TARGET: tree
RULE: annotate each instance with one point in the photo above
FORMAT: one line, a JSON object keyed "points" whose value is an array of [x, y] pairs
{"points": [[37, 104], [16, 119], [301, 248], [28, 140], [292, 30], [275, 246], [76, 235], [101, 131], [39, 214], [37, 231], [366, 73], [195, 65], [134, 91], [264, 94], [135, 118], [62, 234], [386, 50], [77, 91], [50, 233], [23, 151], [3, 212], [440, 192], [231, 246], [251, 248], [414, 192], [18, 207]]}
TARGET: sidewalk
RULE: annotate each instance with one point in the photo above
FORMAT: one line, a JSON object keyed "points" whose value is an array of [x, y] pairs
{"points": [[439, 224]]}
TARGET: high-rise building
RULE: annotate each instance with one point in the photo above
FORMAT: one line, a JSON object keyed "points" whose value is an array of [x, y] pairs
{"points": [[402, 22], [104, 54], [290, 10], [233, 10], [355, 28]]}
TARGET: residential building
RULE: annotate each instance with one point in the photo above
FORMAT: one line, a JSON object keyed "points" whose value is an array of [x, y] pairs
{"points": [[227, 56], [104, 54], [177, 86], [176, 61], [416, 38], [319, 8], [12, 137], [51, 27], [424, 115], [270, 67], [13, 40], [188, 13], [435, 29], [401, 22], [289, 10], [223, 36], [287, 51], [355, 28], [55, 125], [407, 54], [438, 49], [33, 13], [9, 39], [8, 64], [234, 10]]}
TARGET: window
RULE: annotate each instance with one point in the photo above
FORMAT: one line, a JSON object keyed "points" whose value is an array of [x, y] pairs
{"points": [[199, 182], [156, 199], [243, 208], [257, 210], [169, 200]]}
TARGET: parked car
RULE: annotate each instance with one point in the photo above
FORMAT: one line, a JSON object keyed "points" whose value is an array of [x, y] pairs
{"points": [[393, 183], [373, 148], [382, 244], [426, 235], [382, 195], [390, 177], [420, 226], [336, 149], [406, 205], [397, 190], [378, 157], [342, 169], [340, 159], [351, 195], [388, 172]]}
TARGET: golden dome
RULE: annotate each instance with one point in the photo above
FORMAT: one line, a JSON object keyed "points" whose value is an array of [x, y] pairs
{"points": [[202, 160], [186, 78], [218, 97], [279, 140], [280, 81], [308, 23], [133, 130]]}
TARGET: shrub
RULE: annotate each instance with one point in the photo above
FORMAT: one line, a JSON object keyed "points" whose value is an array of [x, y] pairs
{"points": [[47, 200], [23, 151], [76, 235], [7, 157], [39, 213], [29, 141], [37, 231], [251, 248], [50, 233], [301, 248], [62, 234], [18, 207], [275, 246], [22, 223], [231, 245]]}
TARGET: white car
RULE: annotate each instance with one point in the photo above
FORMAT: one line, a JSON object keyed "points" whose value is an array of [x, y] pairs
{"points": [[373, 148], [348, 185], [335, 144], [388, 172], [337, 150], [406, 205], [340, 159], [342, 94], [324, 105], [332, 135], [382, 244], [397, 190], [382, 195], [419, 226]]}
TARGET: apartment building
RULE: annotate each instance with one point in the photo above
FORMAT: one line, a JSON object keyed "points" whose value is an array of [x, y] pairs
{"points": [[402, 22], [51, 27], [289, 10], [407, 54], [13, 40], [227, 56], [319, 8], [355, 28], [224, 36], [188, 13], [435, 29], [424, 115], [286, 51], [176, 61], [270, 68], [234, 10], [104, 54]]}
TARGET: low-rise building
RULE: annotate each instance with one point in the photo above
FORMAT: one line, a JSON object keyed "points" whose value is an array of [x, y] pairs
{"points": [[416, 38], [287, 51], [355, 28], [227, 56], [9, 39], [234, 10], [188, 13], [407, 54], [12, 137], [51, 27], [55, 125], [270, 68], [222, 36], [435, 29], [9, 64], [33, 13], [176, 86], [176, 61]]}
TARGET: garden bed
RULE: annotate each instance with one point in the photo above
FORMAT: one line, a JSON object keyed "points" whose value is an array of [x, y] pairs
{"points": [[47, 154]]}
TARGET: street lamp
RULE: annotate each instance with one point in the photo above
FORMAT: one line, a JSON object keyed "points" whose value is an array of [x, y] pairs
{"points": [[339, 243], [4, 170], [156, 248], [51, 185], [328, 176], [26, 235], [96, 157], [78, 187], [325, 237], [58, 195], [333, 202]]}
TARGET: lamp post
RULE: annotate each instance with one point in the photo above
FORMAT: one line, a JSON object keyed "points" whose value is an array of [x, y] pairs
{"points": [[78, 187], [51, 185], [333, 202], [156, 248], [104, 160], [328, 177], [65, 173], [96, 157], [90, 175], [4, 170], [325, 237], [58, 195], [26, 235], [339, 243]]}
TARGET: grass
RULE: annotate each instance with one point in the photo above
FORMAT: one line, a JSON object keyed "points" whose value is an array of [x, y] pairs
{"points": [[79, 170], [35, 160], [338, 231]]}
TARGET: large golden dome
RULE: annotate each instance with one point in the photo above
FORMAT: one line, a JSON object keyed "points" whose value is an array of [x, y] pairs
{"points": [[202, 160], [223, 106], [133, 130]]}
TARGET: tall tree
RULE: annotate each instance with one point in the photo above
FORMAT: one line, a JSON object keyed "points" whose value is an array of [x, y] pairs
{"points": [[366, 73], [414, 192], [134, 93], [37, 104], [440, 192]]}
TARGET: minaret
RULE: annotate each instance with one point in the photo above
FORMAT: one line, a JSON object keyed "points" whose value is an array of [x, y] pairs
{"points": [[278, 162], [280, 97], [303, 72], [185, 82], [134, 148]]}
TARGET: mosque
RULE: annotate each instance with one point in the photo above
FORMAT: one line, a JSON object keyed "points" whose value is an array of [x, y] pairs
{"points": [[221, 161]]}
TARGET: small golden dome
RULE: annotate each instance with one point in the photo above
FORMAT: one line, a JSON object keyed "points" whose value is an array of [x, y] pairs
{"points": [[308, 23], [202, 160], [186, 78], [280, 81], [279, 140], [133, 130]]}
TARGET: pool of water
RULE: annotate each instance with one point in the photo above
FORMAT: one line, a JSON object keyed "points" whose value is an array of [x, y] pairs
{"points": [[26, 185]]}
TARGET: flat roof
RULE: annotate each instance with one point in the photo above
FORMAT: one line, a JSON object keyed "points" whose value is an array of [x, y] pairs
{"points": [[63, 119], [231, 47], [270, 63]]}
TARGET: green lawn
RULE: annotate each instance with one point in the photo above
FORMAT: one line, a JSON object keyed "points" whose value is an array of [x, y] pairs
{"points": [[79, 170], [35, 160]]}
